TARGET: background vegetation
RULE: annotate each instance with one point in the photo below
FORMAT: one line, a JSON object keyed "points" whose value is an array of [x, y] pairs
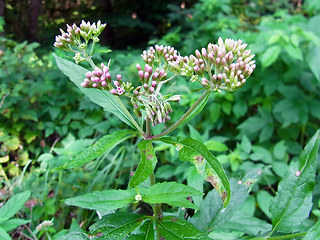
{"points": [[260, 129]]}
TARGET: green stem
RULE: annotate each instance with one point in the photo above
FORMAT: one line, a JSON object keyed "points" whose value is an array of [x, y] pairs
{"points": [[148, 128], [184, 117], [280, 237], [91, 62]]}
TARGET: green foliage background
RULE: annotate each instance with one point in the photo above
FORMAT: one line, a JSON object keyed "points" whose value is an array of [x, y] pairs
{"points": [[256, 132]]}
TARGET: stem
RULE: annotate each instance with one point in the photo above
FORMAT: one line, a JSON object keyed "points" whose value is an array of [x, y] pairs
{"points": [[157, 209], [280, 237], [184, 117], [148, 128]]}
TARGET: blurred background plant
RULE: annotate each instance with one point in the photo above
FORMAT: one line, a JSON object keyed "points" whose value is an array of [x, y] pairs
{"points": [[255, 132]]}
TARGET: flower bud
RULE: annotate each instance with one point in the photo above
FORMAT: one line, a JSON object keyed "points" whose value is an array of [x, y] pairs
{"points": [[138, 67], [198, 54]]}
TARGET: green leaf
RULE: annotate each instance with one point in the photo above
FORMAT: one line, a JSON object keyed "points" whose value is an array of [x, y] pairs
{"points": [[12, 224], [212, 213], [13, 205], [147, 164], [98, 148], [4, 235], [279, 150], [198, 109], [246, 224], [312, 58], [240, 108], [313, 233], [206, 163], [105, 99], [103, 201], [264, 199], [117, 226], [74, 235], [246, 144], [216, 146], [146, 232], [176, 229], [270, 55], [293, 200], [172, 193]]}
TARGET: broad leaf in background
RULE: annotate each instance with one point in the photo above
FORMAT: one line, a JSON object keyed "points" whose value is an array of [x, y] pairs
{"points": [[12, 224], [108, 101], [270, 55], [103, 201], [146, 232], [172, 193], [174, 228], [13, 205], [117, 225], [97, 149], [212, 213], [147, 164], [4, 235], [293, 200], [206, 163], [313, 233]]}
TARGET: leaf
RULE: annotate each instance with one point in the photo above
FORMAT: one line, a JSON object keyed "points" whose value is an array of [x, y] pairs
{"points": [[279, 150], [198, 109], [216, 146], [74, 235], [13, 205], [312, 58], [246, 144], [117, 225], [172, 193], [4, 235], [293, 200], [12, 224], [147, 164], [103, 201], [105, 99], [206, 163], [313, 233], [264, 199], [270, 55], [97, 149], [240, 108], [146, 232], [175, 229], [212, 213]]}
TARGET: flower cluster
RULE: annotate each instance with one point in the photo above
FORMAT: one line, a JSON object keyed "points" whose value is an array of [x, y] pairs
{"points": [[100, 78], [223, 66], [156, 53], [72, 40]]}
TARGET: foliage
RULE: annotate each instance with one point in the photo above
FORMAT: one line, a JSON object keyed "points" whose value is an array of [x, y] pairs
{"points": [[253, 138]]}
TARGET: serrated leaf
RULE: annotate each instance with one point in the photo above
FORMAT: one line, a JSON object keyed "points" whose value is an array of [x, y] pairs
{"points": [[212, 213], [105, 99], [172, 193], [12, 224], [293, 200], [97, 149], [13, 205], [176, 229], [206, 163], [103, 201], [117, 226], [313, 233], [4, 235], [147, 164], [74, 235]]}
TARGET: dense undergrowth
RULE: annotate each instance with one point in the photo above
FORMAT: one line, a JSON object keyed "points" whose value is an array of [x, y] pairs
{"points": [[255, 132]]}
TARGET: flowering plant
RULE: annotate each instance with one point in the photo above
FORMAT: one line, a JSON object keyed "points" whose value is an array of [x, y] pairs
{"points": [[224, 66]]}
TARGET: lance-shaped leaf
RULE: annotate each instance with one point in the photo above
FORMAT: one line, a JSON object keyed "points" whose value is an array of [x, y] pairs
{"points": [[206, 163], [105, 99], [97, 149], [117, 226], [147, 164], [12, 224], [4, 235], [13, 205], [103, 201], [172, 193], [199, 107], [174, 228], [293, 200]]}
